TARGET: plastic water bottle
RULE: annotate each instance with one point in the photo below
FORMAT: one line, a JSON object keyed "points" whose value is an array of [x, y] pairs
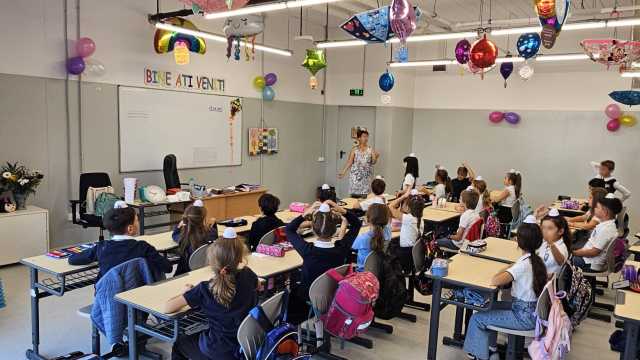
{"points": [[192, 182]]}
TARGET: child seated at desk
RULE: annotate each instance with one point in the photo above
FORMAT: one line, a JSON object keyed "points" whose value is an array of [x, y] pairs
{"points": [[380, 231], [269, 205], [321, 255], [469, 199], [378, 187], [593, 256], [586, 222], [411, 225], [461, 182], [528, 276], [225, 300], [122, 223], [192, 232], [554, 250]]}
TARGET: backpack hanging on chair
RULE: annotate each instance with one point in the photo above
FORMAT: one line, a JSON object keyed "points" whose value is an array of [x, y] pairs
{"points": [[105, 202], [579, 296], [552, 339], [393, 287], [492, 224]]}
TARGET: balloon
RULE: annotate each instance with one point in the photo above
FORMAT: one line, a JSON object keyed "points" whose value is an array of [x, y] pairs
{"points": [[94, 67], [496, 116], [314, 61], [526, 72], [258, 82], [370, 26], [628, 120], [628, 97], [164, 41], [313, 83], [613, 125], [548, 36], [512, 118], [270, 79], [611, 52], [545, 8], [402, 18], [476, 70], [483, 53], [613, 111], [386, 81], [244, 25], [85, 47], [211, 6], [462, 51], [75, 65], [506, 69], [268, 94], [528, 45]]}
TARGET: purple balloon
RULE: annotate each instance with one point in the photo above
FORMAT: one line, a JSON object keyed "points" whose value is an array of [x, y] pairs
{"points": [[270, 79], [512, 118], [75, 65], [506, 69], [462, 51], [402, 18]]}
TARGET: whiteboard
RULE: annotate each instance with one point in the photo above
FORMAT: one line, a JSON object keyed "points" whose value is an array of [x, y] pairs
{"points": [[196, 127]]}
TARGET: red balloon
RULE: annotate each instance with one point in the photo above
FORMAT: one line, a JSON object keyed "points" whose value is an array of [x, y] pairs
{"points": [[483, 53], [613, 125]]}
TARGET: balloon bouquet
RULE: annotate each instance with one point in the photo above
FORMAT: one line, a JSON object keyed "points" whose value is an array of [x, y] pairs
{"points": [[496, 117], [617, 118], [264, 84], [243, 28], [80, 63]]}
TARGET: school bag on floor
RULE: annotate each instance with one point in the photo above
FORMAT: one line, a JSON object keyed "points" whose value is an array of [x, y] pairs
{"points": [[104, 203], [393, 287], [552, 339], [351, 311], [578, 299]]}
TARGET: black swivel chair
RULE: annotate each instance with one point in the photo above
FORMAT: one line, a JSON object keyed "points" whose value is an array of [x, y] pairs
{"points": [[171, 177], [79, 207]]}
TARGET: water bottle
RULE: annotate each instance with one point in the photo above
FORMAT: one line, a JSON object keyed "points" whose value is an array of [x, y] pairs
{"points": [[192, 182]]}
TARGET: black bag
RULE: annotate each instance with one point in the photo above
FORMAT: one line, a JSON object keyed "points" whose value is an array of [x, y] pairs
{"points": [[393, 288]]}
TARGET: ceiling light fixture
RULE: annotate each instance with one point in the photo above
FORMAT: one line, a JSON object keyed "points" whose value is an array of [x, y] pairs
{"points": [[500, 60], [266, 8]]}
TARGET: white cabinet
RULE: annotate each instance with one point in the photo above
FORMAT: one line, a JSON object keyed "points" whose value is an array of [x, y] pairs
{"points": [[23, 234]]}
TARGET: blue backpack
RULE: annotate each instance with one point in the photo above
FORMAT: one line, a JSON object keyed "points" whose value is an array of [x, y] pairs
{"points": [[281, 338]]}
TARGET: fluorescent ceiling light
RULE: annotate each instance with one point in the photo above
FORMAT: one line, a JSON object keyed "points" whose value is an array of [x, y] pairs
{"points": [[435, 37], [422, 63], [585, 25], [220, 38], [515, 31], [630, 74], [500, 60], [266, 8], [513, 59], [562, 57], [623, 22], [346, 43]]}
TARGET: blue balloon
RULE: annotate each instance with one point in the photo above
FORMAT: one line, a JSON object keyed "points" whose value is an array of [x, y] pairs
{"points": [[627, 97], [528, 45], [386, 81], [268, 94]]}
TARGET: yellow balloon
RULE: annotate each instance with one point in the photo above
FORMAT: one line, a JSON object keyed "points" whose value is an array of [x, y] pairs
{"points": [[259, 82], [628, 120]]}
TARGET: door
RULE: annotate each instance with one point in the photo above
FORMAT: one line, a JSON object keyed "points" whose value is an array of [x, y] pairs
{"points": [[350, 117]]}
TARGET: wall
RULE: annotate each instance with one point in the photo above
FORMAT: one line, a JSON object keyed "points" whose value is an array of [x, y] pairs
{"points": [[552, 150]]}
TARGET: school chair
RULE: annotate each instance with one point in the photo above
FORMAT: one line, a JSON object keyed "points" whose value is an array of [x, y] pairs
{"points": [[79, 214], [198, 258], [418, 254], [270, 237], [515, 214], [250, 334], [171, 177], [592, 277]]}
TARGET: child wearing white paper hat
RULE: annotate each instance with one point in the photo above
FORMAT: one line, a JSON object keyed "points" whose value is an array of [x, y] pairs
{"points": [[378, 187], [556, 234], [410, 218]]}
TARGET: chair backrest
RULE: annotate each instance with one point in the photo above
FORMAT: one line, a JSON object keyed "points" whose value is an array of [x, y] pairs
{"points": [[270, 237], [198, 258], [543, 307], [418, 254], [87, 180], [515, 210], [623, 227], [250, 333], [475, 230], [611, 257], [323, 289], [170, 170], [372, 264]]}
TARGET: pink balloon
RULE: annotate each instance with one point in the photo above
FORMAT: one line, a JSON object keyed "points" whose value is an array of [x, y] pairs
{"points": [[613, 125], [496, 116], [613, 111], [403, 19], [85, 47]]}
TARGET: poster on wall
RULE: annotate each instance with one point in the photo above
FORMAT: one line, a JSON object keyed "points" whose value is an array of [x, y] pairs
{"points": [[182, 81], [263, 141]]}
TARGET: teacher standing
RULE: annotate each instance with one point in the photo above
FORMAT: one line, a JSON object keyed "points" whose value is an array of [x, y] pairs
{"points": [[360, 163]]}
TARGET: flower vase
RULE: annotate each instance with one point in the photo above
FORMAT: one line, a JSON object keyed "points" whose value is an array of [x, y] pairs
{"points": [[21, 201]]}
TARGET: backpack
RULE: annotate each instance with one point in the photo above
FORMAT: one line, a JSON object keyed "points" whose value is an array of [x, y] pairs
{"points": [[579, 296], [620, 252], [104, 203], [422, 282], [525, 210], [492, 225], [393, 287], [281, 338], [552, 339], [351, 311], [92, 196]]}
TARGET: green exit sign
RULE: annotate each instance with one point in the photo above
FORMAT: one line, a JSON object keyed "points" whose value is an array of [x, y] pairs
{"points": [[356, 92]]}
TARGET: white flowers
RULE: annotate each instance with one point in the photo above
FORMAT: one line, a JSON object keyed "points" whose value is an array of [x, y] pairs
{"points": [[6, 174], [23, 182]]}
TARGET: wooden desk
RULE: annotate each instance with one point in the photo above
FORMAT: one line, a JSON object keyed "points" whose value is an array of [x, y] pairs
{"points": [[230, 206], [172, 208], [466, 271], [450, 206], [501, 250], [434, 215], [628, 310], [350, 202], [494, 194]]}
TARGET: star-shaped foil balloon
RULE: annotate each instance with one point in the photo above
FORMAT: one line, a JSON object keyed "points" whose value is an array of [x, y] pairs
{"points": [[314, 61]]}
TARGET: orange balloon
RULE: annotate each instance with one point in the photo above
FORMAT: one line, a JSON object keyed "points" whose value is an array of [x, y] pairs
{"points": [[545, 8], [483, 53]]}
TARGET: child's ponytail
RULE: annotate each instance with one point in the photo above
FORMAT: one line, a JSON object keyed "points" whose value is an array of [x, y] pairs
{"points": [[225, 256]]}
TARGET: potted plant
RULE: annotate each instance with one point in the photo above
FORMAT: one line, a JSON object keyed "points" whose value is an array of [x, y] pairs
{"points": [[21, 181]]}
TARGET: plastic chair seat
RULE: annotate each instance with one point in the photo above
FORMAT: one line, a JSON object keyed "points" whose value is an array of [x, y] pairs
{"points": [[523, 333]]}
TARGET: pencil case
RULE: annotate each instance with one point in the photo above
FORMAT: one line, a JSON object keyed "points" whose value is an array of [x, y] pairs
{"points": [[297, 207], [440, 267], [476, 247], [271, 250], [570, 204]]}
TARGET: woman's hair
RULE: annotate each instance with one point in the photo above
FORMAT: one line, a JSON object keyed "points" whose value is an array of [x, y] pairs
{"points": [[118, 220], [361, 132], [411, 166], [463, 171], [529, 240], [269, 204], [516, 180], [225, 255], [194, 232], [613, 206], [442, 177], [561, 224], [470, 198], [481, 186], [378, 217], [324, 225], [378, 186], [415, 203]]}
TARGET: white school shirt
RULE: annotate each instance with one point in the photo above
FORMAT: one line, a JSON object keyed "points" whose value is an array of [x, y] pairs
{"points": [[522, 285], [480, 205], [364, 204], [616, 185], [545, 253], [409, 231], [511, 199], [409, 180], [601, 237], [466, 220], [440, 191]]}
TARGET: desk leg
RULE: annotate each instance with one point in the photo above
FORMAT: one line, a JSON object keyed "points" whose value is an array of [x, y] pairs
{"points": [[631, 346], [34, 352], [457, 329], [141, 220], [133, 341], [434, 323]]}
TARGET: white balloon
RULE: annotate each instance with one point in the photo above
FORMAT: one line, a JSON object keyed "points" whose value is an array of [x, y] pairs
{"points": [[526, 72], [94, 68]]}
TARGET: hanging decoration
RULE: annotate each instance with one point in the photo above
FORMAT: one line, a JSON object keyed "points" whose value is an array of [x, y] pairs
{"points": [[181, 53], [314, 62], [264, 84], [259, 82], [506, 69], [526, 72], [528, 45], [612, 52], [483, 54], [164, 41], [403, 22], [476, 70], [211, 6], [626, 97], [552, 15], [496, 117], [386, 81], [235, 106], [463, 47], [76, 65], [370, 26], [240, 29], [616, 118]]}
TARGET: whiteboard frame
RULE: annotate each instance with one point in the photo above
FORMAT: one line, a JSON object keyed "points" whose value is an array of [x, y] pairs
{"points": [[180, 168]]}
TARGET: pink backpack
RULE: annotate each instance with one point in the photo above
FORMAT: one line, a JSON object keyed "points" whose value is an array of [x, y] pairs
{"points": [[552, 339], [492, 225], [351, 310]]}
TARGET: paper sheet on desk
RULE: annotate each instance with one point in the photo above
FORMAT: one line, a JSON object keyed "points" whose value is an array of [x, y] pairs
{"points": [[259, 254]]}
